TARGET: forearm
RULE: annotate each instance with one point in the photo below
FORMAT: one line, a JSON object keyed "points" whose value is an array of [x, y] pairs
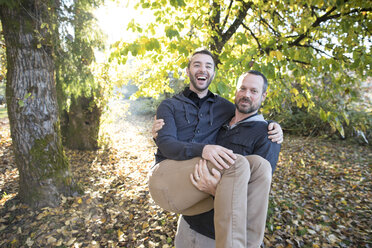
{"points": [[178, 150]]}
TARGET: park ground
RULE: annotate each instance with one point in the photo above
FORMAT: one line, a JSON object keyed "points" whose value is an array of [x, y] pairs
{"points": [[321, 194]]}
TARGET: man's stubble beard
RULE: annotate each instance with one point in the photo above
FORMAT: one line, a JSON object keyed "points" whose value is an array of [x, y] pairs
{"points": [[194, 84], [252, 108]]}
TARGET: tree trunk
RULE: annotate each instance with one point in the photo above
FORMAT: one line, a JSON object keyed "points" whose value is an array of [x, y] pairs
{"points": [[80, 125], [32, 105]]}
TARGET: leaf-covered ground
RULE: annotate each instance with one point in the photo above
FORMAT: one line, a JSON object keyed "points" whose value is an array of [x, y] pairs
{"points": [[321, 196]]}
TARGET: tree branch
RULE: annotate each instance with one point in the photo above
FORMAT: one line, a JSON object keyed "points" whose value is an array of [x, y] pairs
{"points": [[278, 14], [317, 22], [253, 35], [350, 12], [215, 18], [228, 14], [237, 22], [276, 33], [214, 22], [326, 17], [299, 61], [317, 49], [220, 39]]}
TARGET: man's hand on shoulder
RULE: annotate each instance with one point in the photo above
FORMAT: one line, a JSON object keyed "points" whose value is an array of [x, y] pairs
{"points": [[275, 132], [219, 156], [156, 126], [203, 179]]}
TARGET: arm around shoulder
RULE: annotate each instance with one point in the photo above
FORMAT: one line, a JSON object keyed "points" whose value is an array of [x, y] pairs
{"points": [[267, 149]]}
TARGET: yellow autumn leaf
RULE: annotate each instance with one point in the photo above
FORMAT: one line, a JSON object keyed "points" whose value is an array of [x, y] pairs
{"points": [[71, 241], [145, 225], [120, 235], [276, 54], [59, 242], [29, 242], [40, 216], [294, 91], [51, 240]]}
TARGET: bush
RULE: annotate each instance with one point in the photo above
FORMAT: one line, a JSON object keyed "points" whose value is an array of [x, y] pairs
{"points": [[300, 122]]}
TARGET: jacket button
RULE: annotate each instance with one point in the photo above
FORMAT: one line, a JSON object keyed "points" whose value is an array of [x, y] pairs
{"points": [[201, 115]]}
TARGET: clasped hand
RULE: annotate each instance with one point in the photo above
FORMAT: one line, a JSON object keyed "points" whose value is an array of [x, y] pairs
{"points": [[219, 156], [205, 180]]}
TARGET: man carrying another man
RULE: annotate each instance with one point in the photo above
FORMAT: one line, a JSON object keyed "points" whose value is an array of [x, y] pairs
{"points": [[245, 134], [192, 121]]}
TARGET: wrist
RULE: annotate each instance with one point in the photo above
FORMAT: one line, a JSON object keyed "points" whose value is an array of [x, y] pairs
{"points": [[198, 149]]}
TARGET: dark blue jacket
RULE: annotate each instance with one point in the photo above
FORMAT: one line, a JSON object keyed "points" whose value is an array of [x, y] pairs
{"points": [[250, 136], [189, 128]]}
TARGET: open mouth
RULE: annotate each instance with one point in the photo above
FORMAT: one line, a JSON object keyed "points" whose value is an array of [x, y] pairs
{"points": [[202, 78]]}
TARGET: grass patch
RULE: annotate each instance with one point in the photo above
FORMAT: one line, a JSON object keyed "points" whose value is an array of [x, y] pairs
{"points": [[3, 112]]}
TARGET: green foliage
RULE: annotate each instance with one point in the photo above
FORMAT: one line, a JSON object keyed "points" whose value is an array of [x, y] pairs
{"points": [[315, 54], [79, 38], [9, 4], [3, 112], [177, 3]]}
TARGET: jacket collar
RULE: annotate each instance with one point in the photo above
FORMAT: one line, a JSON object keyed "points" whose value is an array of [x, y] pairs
{"points": [[181, 96], [191, 94], [252, 118]]}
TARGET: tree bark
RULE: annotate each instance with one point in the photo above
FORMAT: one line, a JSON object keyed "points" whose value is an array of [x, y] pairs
{"points": [[80, 125], [32, 105]]}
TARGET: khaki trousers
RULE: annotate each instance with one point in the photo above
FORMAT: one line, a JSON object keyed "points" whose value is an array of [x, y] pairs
{"points": [[240, 202]]}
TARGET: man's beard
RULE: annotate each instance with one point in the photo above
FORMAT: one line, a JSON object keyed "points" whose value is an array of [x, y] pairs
{"points": [[195, 85], [247, 110]]}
